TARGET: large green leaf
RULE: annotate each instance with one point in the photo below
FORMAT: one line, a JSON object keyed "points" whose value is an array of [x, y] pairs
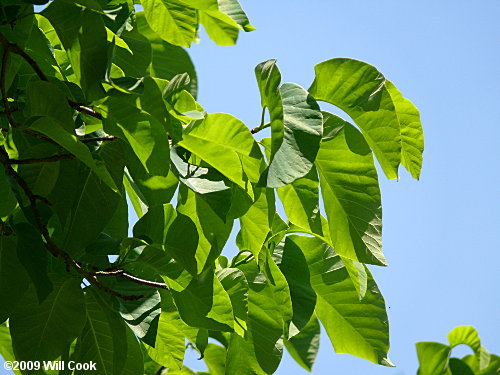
{"points": [[235, 284], [70, 142], [79, 194], [14, 280], [6, 350], [167, 60], [351, 194], [205, 303], [304, 346], [213, 231], [225, 143], [145, 134], [293, 265], [357, 327], [412, 136], [256, 223], [174, 22], [47, 99], [301, 202], [433, 358], [359, 89], [176, 232], [169, 345], [33, 255], [43, 331], [269, 312], [241, 357], [83, 36]]}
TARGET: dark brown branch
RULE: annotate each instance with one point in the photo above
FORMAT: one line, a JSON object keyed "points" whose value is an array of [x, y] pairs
{"points": [[49, 159], [97, 139], [14, 48], [3, 89], [135, 279]]}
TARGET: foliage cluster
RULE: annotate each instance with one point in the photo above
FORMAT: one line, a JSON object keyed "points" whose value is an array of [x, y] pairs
{"points": [[434, 357], [99, 111]]}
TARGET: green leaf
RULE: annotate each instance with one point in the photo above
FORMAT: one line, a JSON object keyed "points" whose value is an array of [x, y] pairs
{"points": [[47, 99], [8, 202], [302, 122], [235, 284], [169, 345], [433, 358], [359, 89], [174, 22], [70, 142], [412, 136], [43, 331], [167, 60], [459, 367], [213, 232], [225, 143], [215, 358], [480, 367], [301, 202], [205, 303], [351, 194], [241, 357], [83, 36], [176, 232], [357, 327], [14, 280], [304, 346], [33, 255], [466, 335], [6, 347], [269, 312], [145, 134], [79, 194], [293, 265], [256, 223]]}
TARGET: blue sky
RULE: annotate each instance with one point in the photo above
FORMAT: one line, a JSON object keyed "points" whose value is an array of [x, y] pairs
{"points": [[440, 233]]}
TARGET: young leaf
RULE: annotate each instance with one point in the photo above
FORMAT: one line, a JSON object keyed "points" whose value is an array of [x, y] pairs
{"points": [[433, 358], [304, 346]]}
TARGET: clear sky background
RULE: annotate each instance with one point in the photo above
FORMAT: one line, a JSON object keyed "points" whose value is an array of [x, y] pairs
{"points": [[440, 233]]}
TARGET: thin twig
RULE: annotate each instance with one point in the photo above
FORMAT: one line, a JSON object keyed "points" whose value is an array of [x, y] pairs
{"points": [[14, 48], [260, 127], [3, 89], [98, 139]]}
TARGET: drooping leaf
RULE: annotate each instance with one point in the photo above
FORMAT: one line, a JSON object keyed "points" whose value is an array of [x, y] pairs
{"points": [[293, 265], [351, 194], [359, 89], [433, 358], [172, 20], [412, 136], [225, 143], [205, 303], [466, 335], [176, 232], [235, 284], [241, 358], [167, 60], [256, 222], [363, 323], [169, 345], [213, 231], [83, 36], [14, 279], [304, 346], [43, 331]]}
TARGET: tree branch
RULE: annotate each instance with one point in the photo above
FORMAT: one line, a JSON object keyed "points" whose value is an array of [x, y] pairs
{"points": [[98, 139], [59, 253], [14, 48]]}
